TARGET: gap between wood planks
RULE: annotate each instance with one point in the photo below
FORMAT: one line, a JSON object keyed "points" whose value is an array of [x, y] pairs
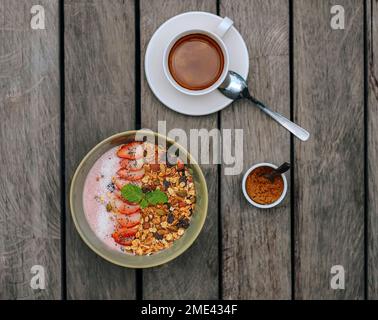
{"points": [[62, 155], [138, 118], [292, 155], [220, 234], [366, 159]]}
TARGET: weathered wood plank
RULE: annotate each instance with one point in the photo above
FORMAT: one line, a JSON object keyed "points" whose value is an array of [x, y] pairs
{"points": [[329, 178], [256, 243], [194, 275], [372, 23], [99, 95], [29, 150]]}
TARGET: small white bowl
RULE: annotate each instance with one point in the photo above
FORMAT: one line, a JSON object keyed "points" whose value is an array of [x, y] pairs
{"points": [[258, 205]]}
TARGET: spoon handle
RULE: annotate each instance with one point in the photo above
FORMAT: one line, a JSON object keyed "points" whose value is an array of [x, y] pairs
{"points": [[296, 130], [282, 168], [276, 172]]}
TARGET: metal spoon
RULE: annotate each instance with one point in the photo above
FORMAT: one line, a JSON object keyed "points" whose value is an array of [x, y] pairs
{"points": [[235, 88], [276, 172]]}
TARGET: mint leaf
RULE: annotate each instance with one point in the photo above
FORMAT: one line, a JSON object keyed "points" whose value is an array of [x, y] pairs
{"points": [[132, 193], [144, 203], [157, 196]]}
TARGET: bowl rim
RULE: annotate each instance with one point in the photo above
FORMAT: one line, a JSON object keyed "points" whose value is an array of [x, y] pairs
{"points": [[185, 246], [258, 205]]}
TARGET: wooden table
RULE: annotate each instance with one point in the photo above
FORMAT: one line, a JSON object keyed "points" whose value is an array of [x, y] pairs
{"points": [[65, 88]]}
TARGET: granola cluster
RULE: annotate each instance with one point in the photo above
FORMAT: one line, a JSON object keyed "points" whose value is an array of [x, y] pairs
{"points": [[162, 224]]}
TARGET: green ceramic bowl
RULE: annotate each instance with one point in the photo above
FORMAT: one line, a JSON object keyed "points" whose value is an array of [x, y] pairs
{"points": [[124, 259]]}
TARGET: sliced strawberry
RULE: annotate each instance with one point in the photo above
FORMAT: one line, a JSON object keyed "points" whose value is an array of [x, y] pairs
{"points": [[132, 165], [128, 221], [131, 175], [155, 167], [120, 183], [133, 150], [121, 240], [182, 204], [180, 164], [128, 224], [127, 232], [124, 236], [130, 232], [135, 216], [125, 207], [118, 194]]}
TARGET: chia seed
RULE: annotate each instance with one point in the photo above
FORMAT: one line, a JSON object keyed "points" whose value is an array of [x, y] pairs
{"points": [[111, 187]]}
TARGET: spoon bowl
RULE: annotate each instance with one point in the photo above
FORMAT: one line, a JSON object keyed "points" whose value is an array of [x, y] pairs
{"points": [[235, 88]]}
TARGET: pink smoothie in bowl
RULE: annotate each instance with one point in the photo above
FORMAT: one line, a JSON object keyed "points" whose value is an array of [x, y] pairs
{"points": [[138, 199], [97, 187]]}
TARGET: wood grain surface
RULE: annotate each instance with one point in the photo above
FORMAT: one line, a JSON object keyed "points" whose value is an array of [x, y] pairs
{"points": [[256, 243], [282, 253], [194, 275], [372, 126], [29, 151], [99, 101], [329, 168]]}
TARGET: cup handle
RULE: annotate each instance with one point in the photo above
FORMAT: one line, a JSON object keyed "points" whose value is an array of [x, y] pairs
{"points": [[224, 26]]}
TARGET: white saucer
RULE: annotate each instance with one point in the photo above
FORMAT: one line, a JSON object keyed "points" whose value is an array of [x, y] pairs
{"points": [[159, 84]]}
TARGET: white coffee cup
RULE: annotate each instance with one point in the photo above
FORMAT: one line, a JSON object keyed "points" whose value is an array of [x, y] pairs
{"points": [[217, 36]]}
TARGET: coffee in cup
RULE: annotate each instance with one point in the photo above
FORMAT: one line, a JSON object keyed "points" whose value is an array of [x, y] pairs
{"points": [[196, 61]]}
